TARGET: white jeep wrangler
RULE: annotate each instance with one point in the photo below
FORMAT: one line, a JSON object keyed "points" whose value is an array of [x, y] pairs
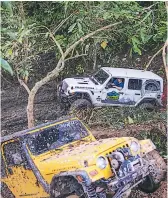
{"points": [[113, 87]]}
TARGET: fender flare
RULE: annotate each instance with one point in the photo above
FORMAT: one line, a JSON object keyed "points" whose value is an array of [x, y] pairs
{"points": [[146, 146], [88, 93], [147, 99], [86, 180], [74, 174]]}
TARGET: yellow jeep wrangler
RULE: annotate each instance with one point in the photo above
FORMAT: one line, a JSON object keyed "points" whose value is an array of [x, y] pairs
{"points": [[62, 159]]}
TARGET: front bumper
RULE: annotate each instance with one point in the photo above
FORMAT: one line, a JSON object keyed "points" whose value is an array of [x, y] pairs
{"points": [[122, 184], [133, 173]]}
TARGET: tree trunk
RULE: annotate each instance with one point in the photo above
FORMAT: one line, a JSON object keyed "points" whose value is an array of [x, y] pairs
{"points": [[30, 110], [54, 73], [32, 93]]}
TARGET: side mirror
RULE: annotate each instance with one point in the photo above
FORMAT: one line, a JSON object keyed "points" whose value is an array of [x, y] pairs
{"points": [[17, 158]]}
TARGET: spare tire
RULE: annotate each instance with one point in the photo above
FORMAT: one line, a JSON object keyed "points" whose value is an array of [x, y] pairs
{"points": [[150, 86]]}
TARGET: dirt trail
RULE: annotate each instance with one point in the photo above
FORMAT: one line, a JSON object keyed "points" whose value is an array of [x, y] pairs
{"points": [[14, 103], [13, 107]]}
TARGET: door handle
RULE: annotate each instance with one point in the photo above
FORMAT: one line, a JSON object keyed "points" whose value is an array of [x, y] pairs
{"points": [[138, 94], [121, 92]]}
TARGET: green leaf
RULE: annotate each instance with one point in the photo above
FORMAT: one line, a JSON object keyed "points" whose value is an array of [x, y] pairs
{"points": [[164, 22], [71, 28], [135, 40], [130, 120], [142, 35], [80, 27], [135, 43], [9, 52], [137, 49], [5, 65], [8, 6], [12, 35], [147, 15]]}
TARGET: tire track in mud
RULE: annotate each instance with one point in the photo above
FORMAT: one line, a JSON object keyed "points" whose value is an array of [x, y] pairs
{"points": [[13, 117]]}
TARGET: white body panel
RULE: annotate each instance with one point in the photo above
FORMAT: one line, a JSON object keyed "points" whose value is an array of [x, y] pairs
{"points": [[99, 94]]}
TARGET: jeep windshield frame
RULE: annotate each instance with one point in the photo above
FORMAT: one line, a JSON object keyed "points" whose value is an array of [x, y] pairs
{"points": [[101, 76], [54, 137]]}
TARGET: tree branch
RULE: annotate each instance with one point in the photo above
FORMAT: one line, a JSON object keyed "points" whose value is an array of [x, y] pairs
{"points": [[61, 24], [152, 58], [55, 41], [22, 83], [75, 57], [55, 72], [89, 35], [164, 58]]}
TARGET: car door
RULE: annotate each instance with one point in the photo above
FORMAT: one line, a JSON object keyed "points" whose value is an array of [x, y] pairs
{"points": [[112, 96], [20, 178], [133, 90]]}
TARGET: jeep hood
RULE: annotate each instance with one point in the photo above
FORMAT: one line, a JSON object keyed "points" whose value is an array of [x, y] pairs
{"points": [[80, 83], [74, 158]]}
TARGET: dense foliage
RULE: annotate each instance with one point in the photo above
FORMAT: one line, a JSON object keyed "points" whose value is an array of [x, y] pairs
{"points": [[25, 37], [120, 118]]}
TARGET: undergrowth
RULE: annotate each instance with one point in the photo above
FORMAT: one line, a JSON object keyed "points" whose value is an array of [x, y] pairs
{"points": [[119, 118]]}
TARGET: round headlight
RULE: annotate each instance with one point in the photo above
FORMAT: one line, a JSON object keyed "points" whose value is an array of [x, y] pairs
{"points": [[101, 162], [134, 146]]}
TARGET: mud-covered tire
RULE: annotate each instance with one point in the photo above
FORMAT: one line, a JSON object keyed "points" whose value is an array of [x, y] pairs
{"points": [[64, 187], [147, 106], [153, 180], [80, 108], [5, 191], [80, 104]]}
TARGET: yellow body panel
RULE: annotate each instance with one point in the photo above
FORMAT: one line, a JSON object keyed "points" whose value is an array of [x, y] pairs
{"points": [[71, 157]]}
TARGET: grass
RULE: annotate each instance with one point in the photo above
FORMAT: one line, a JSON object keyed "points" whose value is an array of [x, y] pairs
{"points": [[119, 118]]}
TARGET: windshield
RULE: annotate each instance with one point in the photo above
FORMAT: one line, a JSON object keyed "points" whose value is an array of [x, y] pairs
{"points": [[56, 136], [101, 76]]}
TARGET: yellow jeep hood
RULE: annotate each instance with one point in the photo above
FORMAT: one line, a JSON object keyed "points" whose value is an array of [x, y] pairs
{"points": [[74, 158]]}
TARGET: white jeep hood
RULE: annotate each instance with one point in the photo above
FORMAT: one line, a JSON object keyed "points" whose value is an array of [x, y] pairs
{"points": [[80, 83]]}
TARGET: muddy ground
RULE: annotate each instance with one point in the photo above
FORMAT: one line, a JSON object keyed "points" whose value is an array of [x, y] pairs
{"points": [[13, 118]]}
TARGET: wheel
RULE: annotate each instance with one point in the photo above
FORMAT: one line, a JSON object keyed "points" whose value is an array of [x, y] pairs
{"points": [[80, 108], [80, 104], [5, 191], [147, 106], [65, 187], [152, 181]]}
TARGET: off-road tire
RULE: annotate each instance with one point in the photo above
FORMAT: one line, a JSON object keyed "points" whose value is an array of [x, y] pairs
{"points": [[153, 180], [80, 104], [5, 191], [147, 106], [61, 185]]}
